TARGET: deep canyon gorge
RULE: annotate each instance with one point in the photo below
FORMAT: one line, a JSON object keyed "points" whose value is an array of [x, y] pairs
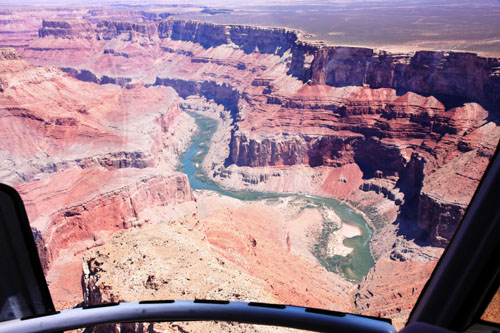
{"points": [[98, 108]]}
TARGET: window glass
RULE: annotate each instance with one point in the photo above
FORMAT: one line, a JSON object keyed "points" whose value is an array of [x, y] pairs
{"points": [[295, 152], [492, 312]]}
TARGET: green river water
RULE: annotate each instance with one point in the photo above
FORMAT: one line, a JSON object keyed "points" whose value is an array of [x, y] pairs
{"points": [[354, 266]]}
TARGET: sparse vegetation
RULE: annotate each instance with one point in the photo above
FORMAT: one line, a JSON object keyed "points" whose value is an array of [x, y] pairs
{"points": [[371, 212], [336, 263], [373, 215], [353, 267]]}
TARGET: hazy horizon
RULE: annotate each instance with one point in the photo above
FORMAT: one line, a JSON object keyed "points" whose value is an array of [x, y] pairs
{"points": [[394, 25]]}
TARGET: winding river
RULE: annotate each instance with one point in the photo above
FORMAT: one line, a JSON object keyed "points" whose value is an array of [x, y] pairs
{"points": [[354, 266]]}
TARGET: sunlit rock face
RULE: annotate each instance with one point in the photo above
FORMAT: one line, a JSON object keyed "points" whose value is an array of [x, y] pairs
{"points": [[81, 168], [231, 254], [389, 289], [403, 137], [65, 28], [425, 72]]}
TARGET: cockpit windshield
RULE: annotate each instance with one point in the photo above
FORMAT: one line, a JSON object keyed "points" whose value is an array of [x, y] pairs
{"points": [[317, 154]]}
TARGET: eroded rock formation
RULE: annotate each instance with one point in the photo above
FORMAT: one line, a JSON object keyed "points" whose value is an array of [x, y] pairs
{"points": [[226, 254], [81, 169], [404, 137], [96, 211], [426, 72], [391, 289], [65, 28]]}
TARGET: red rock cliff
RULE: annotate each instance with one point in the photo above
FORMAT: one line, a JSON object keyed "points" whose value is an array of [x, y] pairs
{"points": [[80, 167], [404, 116], [69, 210], [426, 72], [65, 28]]}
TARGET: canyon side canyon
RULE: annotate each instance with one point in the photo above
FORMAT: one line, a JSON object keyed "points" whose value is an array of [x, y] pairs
{"points": [[98, 106]]}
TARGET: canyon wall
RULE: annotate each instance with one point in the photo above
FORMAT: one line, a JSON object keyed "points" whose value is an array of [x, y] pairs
{"points": [[82, 170], [223, 93], [406, 136], [446, 193], [391, 289], [88, 76], [110, 29], [426, 72], [94, 214], [248, 38], [229, 250], [358, 105], [451, 74], [65, 28]]}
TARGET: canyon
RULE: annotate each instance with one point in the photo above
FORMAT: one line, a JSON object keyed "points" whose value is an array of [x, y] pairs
{"points": [[92, 107]]}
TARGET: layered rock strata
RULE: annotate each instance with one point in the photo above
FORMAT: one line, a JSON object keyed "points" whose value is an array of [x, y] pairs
{"points": [[83, 170], [88, 76], [410, 140], [391, 289], [87, 213], [450, 74], [388, 132], [65, 28], [426, 72], [226, 251]]}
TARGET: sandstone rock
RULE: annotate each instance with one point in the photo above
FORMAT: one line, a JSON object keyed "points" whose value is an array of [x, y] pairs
{"points": [[389, 114], [302, 117], [65, 29], [110, 29], [81, 169], [77, 210], [88, 76], [446, 194], [427, 72], [223, 94], [403, 139], [9, 54], [248, 38], [463, 75], [391, 289], [387, 189], [43, 252], [168, 261]]}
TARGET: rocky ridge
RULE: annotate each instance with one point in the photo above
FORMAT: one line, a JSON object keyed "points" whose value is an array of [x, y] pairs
{"points": [[221, 252], [90, 216], [65, 28], [391, 289], [455, 74], [82, 171]]}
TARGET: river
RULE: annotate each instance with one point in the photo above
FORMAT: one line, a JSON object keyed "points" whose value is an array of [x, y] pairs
{"points": [[354, 266]]}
